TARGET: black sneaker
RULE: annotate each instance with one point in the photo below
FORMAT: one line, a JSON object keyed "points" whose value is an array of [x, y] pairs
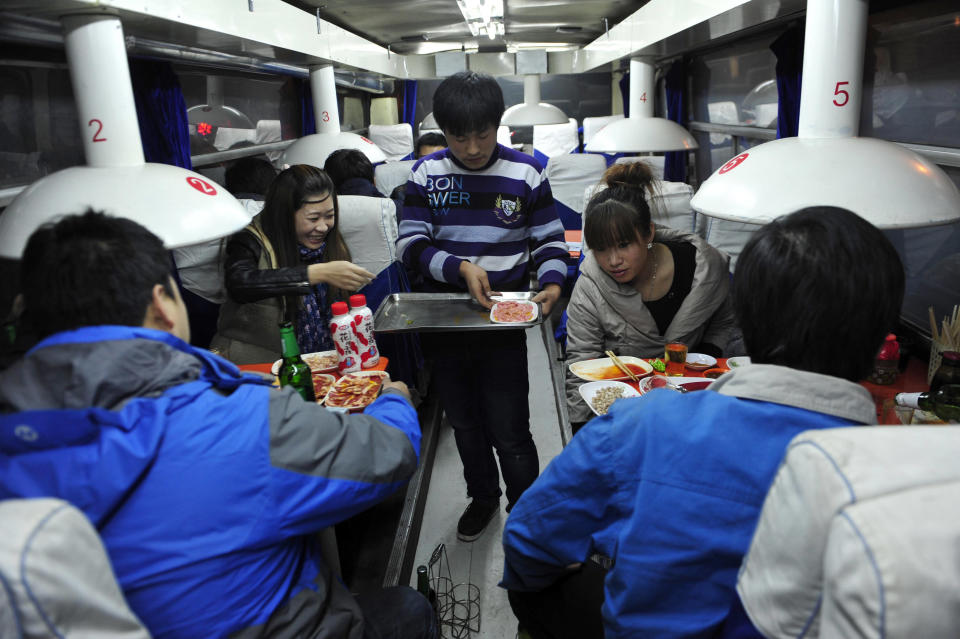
{"points": [[475, 518]]}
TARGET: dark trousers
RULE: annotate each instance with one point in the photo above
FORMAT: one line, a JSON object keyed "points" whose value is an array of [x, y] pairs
{"points": [[481, 378], [568, 609]]}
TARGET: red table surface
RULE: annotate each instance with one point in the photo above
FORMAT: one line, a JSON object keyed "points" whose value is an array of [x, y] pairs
{"points": [[912, 380], [265, 368]]}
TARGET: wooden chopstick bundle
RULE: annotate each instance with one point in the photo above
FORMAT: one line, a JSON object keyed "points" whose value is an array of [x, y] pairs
{"points": [[949, 333], [619, 364]]}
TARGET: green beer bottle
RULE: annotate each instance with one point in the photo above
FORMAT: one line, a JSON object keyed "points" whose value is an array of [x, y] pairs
{"points": [[293, 370]]}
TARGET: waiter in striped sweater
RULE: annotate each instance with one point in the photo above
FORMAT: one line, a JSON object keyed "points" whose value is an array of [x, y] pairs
{"points": [[475, 216]]}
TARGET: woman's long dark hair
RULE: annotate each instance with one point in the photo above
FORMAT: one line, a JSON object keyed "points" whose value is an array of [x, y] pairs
{"points": [[284, 198]]}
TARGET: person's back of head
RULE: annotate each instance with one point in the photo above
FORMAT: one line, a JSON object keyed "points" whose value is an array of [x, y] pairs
{"points": [[90, 270], [252, 175], [818, 290], [346, 164], [430, 143], [467, 102], [630, 182]]}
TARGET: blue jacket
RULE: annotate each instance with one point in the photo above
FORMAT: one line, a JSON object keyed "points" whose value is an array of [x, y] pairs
{"points": [[205, 484], [670, 486]]}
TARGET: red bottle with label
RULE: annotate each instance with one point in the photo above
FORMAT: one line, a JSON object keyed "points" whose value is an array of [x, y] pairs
{"points": [[341, 330], [361, 319]]}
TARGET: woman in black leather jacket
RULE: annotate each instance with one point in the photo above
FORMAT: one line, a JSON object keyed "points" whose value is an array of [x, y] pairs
{"points": [[289, 264]]}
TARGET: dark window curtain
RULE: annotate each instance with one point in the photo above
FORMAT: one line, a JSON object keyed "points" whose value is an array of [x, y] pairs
{"points": [[161, 113], [675, 162], [410, 102], [308, 126], [625, 93], [789, 51]]}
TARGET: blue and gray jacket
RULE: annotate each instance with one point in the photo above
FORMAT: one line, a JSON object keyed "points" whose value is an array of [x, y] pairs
{"points": [[205, 484]]}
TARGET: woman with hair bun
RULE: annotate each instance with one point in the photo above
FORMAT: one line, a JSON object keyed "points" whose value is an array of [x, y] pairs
{"points": [[641, 286]]}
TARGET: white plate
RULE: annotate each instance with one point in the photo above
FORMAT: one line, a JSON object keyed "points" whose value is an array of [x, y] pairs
{"points": [[534, 308], [649, 383], [589, 390], [700, 361], [603, 369], [311, 360], [740, 360]]}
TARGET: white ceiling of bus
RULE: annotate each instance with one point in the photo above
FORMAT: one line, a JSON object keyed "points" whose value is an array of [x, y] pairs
{"points": [[428, 26]]}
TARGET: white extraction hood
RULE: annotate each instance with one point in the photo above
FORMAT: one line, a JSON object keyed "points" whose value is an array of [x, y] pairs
{"points": [[215, 113], [179, 206], [641, 132], [827, 165], [314, 149], [532, 111]]}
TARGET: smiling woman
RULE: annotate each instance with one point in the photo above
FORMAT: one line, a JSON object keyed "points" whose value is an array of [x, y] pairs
{"points": [[290, 263]]}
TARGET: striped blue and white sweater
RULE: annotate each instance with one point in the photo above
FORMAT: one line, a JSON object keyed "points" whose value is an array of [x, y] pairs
{"points": [[499, 217]]}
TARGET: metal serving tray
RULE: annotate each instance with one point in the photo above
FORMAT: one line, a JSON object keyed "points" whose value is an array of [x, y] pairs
{"points": [[434, 312]]}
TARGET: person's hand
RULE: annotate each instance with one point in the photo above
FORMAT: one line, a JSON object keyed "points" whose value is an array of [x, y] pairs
{"points": [[398, 386], [341, 274], [548, 297], [477, 283]]}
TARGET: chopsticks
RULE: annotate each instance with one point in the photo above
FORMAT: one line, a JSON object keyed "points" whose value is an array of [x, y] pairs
{"points": [[622, 366], [949, 333]]}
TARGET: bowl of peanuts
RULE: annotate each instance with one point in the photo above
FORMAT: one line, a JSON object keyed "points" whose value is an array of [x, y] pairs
{"points": [[599, 396]]}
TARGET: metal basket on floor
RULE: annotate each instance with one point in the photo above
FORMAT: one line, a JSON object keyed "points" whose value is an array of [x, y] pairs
{"points": [[458, 604]]}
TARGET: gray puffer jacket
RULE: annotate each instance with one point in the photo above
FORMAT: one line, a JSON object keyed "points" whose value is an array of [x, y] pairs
{"points": [[606, 315]]}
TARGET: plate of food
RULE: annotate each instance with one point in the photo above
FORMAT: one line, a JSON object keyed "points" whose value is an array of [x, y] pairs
{"points": [[603, 369], [700, 361], [355, 390], [686, 383], [714, 373], [740, 360], [600, 395], [322, 383], [319, 362], [514, 312]]}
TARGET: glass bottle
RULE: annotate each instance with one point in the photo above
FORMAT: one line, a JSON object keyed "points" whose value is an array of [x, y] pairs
{"points": [[423, 586], [948, 372], [293, 370], [944, 402]]}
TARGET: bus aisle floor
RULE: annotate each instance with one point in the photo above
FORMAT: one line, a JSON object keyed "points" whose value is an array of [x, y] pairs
{"points": [[481, 562]]}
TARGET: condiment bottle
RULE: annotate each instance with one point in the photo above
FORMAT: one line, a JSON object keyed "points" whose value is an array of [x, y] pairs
{"points": [[362, 322], [341, 331], [294, 371], [948, 372], [944, 402], [885, 365]]}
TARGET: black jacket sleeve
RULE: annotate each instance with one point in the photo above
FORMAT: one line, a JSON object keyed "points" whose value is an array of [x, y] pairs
{"points": [[246, 282]]}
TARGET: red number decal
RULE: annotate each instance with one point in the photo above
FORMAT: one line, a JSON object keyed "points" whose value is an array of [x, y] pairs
{"points": [[201, 185], [326, 116], [734, 163], [643, 98], [839, 91], [96, 137]]}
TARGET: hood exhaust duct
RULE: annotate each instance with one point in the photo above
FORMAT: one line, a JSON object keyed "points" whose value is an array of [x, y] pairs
{"points": [[532, 111], [179, 206], [827, 165], [640, 131], [314, 149]]}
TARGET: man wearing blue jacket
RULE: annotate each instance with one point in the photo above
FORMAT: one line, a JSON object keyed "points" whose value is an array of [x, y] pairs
{"points": [[670, 486], [205, 484]]}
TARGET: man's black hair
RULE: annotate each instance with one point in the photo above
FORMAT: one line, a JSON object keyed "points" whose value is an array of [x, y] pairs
{"points": [[252, 175], [467, 102], [818, 290], [91, 269], [429, 139], [345, 164]]}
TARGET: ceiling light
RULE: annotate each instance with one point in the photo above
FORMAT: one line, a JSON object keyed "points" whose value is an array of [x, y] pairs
{"points": [[314, 149], [532, 111], [640, 131], [827, 165], [179, 206]]}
